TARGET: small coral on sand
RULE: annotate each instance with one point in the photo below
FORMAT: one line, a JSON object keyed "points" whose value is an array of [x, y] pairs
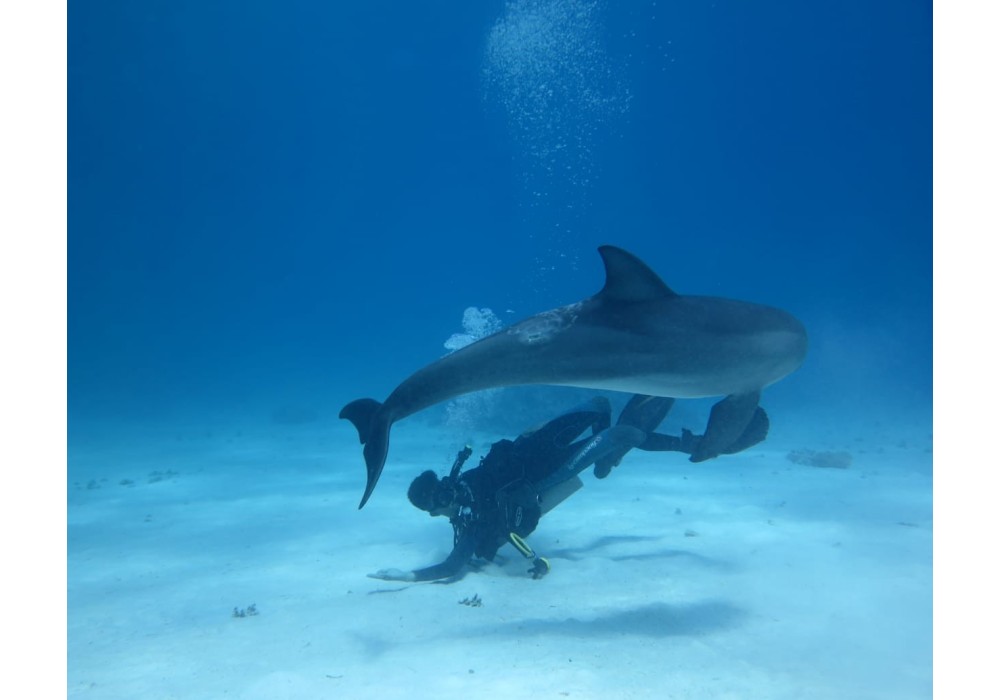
{"points": [[825, 460]]}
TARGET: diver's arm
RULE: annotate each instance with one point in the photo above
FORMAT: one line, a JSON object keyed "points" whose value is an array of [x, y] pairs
{"points": [[459, 557]]}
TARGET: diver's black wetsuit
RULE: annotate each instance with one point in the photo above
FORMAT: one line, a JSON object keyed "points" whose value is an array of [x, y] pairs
{"points": [[503, 498], [500, 496]]}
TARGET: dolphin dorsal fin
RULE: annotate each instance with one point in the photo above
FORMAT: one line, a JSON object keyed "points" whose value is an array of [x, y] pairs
{"points": [[629, 278]]}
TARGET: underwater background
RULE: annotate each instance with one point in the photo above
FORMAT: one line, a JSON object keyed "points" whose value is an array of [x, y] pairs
{"points": [[282, 204], [277, 208]]}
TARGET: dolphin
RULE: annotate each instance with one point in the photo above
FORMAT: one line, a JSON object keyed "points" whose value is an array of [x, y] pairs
{"points": [[635, 335]]}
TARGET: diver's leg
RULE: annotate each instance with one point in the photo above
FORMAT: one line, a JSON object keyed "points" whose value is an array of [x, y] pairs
{"points": [[542, 452], [540, 565], [660, 442], [609, 442], [687, 442]]}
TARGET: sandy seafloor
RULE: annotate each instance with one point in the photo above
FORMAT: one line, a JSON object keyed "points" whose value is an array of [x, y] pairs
{"points": [[744, 577]]}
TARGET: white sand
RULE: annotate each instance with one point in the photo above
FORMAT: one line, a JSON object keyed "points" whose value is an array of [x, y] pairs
{"points": [[744, 577]]}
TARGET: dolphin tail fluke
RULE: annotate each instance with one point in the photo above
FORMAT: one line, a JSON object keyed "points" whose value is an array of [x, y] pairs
{"points": [[361, 413], [373, 426]]}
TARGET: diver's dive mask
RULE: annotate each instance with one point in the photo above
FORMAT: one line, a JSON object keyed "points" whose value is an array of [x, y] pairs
{"points": [[448, 488], [446, 493]]}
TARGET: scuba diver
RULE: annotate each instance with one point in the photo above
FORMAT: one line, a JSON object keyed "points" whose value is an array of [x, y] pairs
{"points": [[517, 482]]}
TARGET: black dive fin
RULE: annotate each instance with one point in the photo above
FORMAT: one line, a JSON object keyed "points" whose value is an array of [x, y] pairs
{"points": [[726, 424], [562, 430], [373, 432], [642, 412], [645, 412]]}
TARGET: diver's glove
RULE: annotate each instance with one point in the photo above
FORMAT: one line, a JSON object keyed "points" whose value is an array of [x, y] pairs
{"points": [[540, 568], [394, 575]]}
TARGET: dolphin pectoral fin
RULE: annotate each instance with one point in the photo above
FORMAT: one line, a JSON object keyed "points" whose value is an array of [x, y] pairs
{"points": [[373, 431], [726, 424]]}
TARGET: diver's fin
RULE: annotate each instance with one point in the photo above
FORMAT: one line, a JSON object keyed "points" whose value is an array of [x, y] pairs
{"points": [[564, 428], [726, 424], [596, 404], [373, 431], [645, 412], [642, 412]]}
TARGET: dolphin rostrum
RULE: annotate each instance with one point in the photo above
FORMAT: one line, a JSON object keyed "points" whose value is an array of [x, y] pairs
{"points": [[635, 335]]}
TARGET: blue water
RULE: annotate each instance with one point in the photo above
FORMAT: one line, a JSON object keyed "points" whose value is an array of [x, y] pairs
{"points": [[276, 208]]}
